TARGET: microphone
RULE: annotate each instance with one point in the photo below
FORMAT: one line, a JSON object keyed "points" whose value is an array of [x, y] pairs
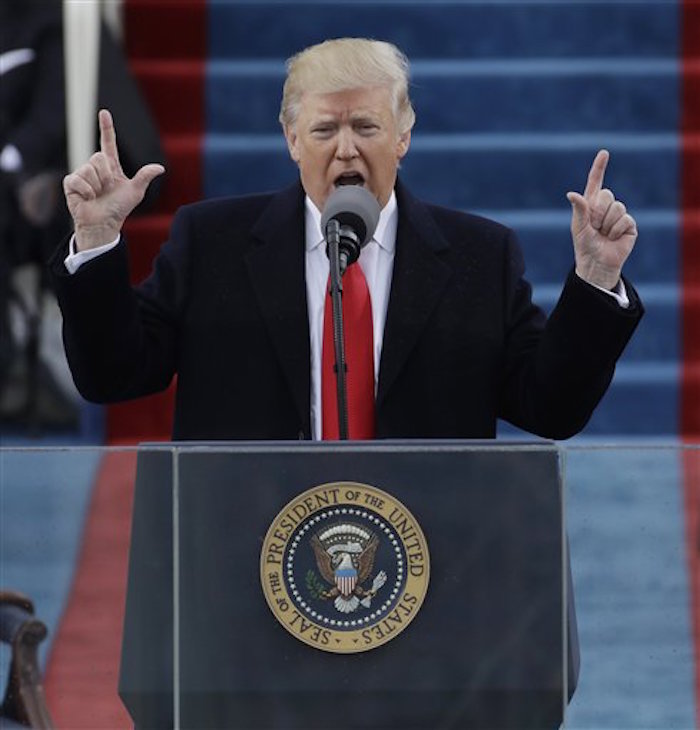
{"points": [[352, 213]]}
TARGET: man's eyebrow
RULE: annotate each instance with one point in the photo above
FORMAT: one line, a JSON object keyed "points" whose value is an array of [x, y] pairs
{"points": [[328, 117], [322, 117], [364, 116]]}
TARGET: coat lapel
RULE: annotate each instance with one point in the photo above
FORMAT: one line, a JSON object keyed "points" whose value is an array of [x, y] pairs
{"points": [[277, 272], [419, 278]]}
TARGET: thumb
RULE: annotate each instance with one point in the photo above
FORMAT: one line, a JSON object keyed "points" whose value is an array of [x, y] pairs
{"points": [[580, 213], [145, 176]]}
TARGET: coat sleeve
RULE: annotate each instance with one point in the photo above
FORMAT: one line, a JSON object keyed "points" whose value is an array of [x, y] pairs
{"points": [[122, 341], [555, 372]]}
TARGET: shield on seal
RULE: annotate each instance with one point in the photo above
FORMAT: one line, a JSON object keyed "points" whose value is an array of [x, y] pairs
{"points": [[346, 578]]}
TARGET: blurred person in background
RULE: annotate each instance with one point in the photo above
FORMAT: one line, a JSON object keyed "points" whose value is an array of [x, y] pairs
{"points": [[34, 385], [36, 388]]}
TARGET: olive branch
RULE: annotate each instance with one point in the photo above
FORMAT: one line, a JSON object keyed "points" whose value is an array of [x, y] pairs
{"points": [[314, 585]]}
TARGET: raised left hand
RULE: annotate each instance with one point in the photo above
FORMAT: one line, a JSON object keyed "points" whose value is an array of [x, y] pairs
{"points": [[603, 231]]}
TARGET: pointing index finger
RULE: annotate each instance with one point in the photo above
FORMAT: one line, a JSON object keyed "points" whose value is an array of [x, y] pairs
{"points": [[594, 184], [108, 135]]}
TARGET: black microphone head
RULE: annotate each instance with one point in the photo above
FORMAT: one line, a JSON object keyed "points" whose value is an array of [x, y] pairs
{"points": [[355, 207]]}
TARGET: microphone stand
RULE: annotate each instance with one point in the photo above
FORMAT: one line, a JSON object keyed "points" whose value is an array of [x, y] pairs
{"points": [[337, 269]]}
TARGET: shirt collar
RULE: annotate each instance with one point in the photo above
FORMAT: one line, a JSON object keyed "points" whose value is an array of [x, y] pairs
{"points": [[385, 235]]}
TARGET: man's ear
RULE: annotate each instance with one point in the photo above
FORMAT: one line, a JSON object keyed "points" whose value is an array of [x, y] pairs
{"points": [[291, 136], [404, 142]]}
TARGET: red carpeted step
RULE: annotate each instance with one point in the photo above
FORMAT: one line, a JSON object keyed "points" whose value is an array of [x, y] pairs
{"points": [[182, 185], [165, 29], [144, 237], [165, 42], [691, 106], [175, 93], [690, 150], [183, 181], [691, 261], [83, 671]]}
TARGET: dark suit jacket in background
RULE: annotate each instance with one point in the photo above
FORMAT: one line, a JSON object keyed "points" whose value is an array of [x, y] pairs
{"points": [[225, 309], [32, 110]]}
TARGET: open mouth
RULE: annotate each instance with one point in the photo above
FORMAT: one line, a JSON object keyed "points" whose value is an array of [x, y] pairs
{"points": [[349, 178]]}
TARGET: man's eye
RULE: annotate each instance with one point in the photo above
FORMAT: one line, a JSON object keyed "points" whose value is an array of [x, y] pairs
{"points": [[366, 128], [323, 131]]}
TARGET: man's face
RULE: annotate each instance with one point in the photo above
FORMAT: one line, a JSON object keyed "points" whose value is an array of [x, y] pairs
{"points": [[347, 138]]}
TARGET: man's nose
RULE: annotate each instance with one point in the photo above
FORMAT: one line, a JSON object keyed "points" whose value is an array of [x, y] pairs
{"points": [[346, 150]]}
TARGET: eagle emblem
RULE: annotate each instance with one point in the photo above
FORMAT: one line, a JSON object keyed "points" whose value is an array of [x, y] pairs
{"points": [[345, 555]]}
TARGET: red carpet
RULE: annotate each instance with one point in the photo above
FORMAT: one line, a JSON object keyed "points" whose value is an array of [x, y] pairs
{"points": [[83, 671], [165, 42]]}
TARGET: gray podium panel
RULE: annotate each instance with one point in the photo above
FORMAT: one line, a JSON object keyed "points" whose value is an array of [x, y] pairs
{"points": [[485, 649]]}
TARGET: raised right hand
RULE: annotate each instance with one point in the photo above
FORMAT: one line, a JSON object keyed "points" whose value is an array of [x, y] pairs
{"points": [[99, 195]]}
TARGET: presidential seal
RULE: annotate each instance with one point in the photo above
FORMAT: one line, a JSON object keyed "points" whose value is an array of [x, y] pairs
{"points": [[345, 567]]}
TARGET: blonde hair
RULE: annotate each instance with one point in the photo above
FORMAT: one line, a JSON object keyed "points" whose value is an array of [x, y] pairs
{"points": [[348, 63]]}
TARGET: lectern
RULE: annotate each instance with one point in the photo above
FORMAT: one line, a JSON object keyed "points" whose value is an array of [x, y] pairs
{"points": [[284, 585]]}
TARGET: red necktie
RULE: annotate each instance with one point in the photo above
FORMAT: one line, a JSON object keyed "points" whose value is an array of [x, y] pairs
{"points": [[359, 356]]}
